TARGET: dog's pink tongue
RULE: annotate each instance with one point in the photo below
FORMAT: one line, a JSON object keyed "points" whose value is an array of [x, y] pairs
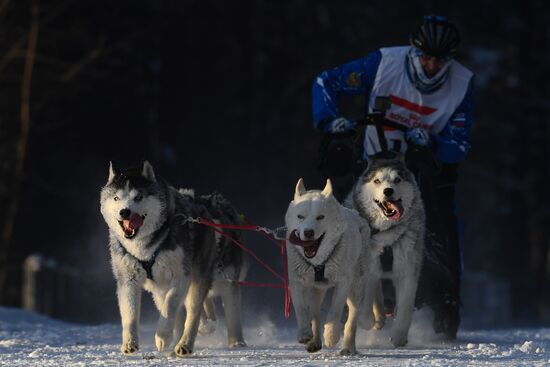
{"points": [[135, 221], [397, 207]]}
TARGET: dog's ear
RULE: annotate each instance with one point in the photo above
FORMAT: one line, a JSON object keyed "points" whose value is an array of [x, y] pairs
{"points": [[327, 191], [148, 172], [371, 160], [300, 189], [112, 172]]}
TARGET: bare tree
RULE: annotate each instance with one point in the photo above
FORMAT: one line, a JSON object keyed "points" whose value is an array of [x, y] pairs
{"points": [[22, 142]]}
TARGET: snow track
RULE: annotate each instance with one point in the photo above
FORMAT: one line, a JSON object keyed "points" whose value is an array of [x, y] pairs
{"points": [[27, 339]]}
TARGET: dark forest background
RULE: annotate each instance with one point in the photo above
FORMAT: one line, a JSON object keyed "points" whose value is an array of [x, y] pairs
{"points": [[216, 94]]}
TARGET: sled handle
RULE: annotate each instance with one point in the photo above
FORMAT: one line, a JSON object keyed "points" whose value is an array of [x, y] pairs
{"points": [[377, 118]]}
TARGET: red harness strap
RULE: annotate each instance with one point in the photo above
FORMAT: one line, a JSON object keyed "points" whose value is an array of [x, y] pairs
{"points": [[251, 227]]}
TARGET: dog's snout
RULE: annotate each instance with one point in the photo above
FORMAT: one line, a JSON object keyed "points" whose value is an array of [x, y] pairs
{"points": [[388, 191], [125, 213], [309, 233]]}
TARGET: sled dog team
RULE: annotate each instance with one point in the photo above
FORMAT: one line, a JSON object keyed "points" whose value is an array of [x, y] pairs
{"points": [[184, 264]]}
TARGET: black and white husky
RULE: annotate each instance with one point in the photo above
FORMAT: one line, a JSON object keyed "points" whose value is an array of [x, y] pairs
{"points": [[154, 247], [387, 196]]}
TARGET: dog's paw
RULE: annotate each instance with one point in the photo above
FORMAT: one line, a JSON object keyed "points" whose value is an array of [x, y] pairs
{"points": [[162, 341], [331, 334], [183, 350], [237, 344], [129, 347], [348, 351], [313, 346], [163, 336], [366, 320], [398, 339], [379, 324], [304, 336]]}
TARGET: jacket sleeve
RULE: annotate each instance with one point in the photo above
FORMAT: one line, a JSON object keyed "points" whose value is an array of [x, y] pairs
{"points": [[353, 78], [453, 142]]}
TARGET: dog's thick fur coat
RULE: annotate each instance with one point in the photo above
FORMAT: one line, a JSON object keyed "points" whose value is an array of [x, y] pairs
{"points": [[154, 248], [324, 242], [387, 196]]}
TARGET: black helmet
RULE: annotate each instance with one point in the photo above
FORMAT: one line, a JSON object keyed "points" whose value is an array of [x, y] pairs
{"points": [[436, 37]]}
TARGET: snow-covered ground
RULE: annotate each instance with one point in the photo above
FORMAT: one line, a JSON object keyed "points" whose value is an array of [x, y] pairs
{"points": [[27, 339]]}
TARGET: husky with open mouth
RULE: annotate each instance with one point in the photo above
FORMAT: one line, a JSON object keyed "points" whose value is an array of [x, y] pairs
{"points": [[154, 247], [387, 196], [325, 249]]}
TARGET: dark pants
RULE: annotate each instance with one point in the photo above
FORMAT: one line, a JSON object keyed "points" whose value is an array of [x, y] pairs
{"points": [[439, 285]]}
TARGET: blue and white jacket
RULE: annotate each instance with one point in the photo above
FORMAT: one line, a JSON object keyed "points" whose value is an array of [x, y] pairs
{"points": [[446, 113]]}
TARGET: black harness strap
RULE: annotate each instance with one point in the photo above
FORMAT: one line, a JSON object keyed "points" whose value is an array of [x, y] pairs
{"points": [[386, 259], [148, 265], [319, 273]]}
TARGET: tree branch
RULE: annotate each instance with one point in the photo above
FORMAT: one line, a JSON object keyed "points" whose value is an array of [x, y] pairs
{"points": [[22, 141]]}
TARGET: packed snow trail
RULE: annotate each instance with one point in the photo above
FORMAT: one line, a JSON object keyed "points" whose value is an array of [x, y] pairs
{"points": [[28, 339]]}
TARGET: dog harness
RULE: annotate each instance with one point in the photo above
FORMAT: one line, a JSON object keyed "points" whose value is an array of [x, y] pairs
{"points": [[147, 265], [386, 256], [386, 259], [319, 273]]}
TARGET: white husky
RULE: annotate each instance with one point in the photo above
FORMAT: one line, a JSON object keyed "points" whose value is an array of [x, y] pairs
{"points": [[386, 195], [325, 250]]}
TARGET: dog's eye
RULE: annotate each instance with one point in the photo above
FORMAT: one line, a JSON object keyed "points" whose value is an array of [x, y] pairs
{"points": [[138, 197], [300, 216], [377, 181], [319, 217], [397, 180], [116, 198]]}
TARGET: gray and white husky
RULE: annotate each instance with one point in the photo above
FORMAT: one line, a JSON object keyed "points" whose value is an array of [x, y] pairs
{"points": [[387, 196], [325, 242], [154, 248]]}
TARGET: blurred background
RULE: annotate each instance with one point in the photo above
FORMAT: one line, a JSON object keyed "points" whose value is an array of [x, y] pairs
{"points": [[216, 94]]}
